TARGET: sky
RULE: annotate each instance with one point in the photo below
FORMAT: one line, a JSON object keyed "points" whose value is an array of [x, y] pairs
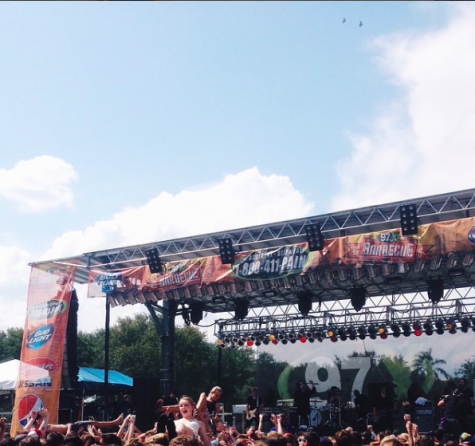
{"points": [[133, 122]]}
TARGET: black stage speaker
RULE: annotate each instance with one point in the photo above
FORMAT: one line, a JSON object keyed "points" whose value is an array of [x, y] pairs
{"points": [[425, 423], [69, 374]]}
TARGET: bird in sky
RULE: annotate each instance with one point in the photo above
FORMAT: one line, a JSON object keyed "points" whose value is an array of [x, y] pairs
{"points": [[361, 24], [344, 20]]}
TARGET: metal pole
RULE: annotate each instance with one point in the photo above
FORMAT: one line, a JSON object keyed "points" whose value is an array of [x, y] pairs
{"points": [[106, 360]]}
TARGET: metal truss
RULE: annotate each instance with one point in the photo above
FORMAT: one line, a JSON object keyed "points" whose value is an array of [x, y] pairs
{"points": [[458, 305], [430, 209]]}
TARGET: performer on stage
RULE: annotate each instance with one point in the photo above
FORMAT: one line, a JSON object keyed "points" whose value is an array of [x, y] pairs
{"points": [[302, 401], [383, 410], [361, 404], [254, 404]]}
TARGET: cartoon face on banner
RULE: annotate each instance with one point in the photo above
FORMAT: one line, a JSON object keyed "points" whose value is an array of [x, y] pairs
{"points": [[29, 403]]}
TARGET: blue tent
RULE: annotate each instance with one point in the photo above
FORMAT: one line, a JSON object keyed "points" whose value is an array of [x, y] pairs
{"points": [[91, 378]]}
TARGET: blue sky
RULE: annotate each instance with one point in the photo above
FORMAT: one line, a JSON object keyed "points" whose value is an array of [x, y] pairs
{"points": [[133, 122]]}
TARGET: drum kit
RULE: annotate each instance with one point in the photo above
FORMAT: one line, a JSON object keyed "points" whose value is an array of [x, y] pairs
{"points": [[329, 413]]}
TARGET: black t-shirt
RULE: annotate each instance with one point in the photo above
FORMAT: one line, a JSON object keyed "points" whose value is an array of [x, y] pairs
{"points": [[253, 403]]}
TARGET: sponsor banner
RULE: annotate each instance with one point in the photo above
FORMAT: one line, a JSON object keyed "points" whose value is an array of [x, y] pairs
{"points": [[271, 263], [39, 380], [103, 282], [176, 275]]}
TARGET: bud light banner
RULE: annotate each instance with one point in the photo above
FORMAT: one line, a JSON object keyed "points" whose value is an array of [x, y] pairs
{"points": [[49, 296]]}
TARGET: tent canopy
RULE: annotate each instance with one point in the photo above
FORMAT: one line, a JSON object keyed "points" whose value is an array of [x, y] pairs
{"points": [[9, 372], [90, 378]]}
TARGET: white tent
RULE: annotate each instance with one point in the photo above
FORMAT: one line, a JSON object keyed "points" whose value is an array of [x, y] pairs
{"points": [[9, 373]]}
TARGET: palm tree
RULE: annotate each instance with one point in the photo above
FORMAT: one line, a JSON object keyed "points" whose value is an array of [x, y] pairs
{"points": [[425, 365]]}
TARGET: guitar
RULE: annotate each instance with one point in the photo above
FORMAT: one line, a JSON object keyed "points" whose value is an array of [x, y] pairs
{"points": [[252, 414]]}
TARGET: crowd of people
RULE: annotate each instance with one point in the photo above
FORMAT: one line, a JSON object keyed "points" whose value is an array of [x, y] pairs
{"points": [[182, 422]]}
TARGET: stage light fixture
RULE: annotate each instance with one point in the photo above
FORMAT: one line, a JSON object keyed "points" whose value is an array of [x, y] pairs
{"points": [[257, 343], [342, 333], [314, 237], [241, 309], [435, 290], [304, 302], [333, 339], [451, 326], [275, 341], [153, 260], [303, 339], [468, 259], [226, 250], [465, 324], [358, 298], [266, 341], [372, 331], [440, 326], [417, 328], [362, 332], [352, 333], [249, 343], [408, 217], [406, 329], [196, 313], [428, 327], [396, 329]]}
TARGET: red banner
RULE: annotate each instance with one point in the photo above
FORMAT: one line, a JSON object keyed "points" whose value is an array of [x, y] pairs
{"points": [[49, 296]]}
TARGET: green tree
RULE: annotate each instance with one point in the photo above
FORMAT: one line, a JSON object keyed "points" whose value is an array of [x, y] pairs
{"points": [[10, 343], [427, 369], [467, 369]]}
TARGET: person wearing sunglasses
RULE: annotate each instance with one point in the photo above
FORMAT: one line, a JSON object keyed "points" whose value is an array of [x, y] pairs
{"points": [[309, 439]]}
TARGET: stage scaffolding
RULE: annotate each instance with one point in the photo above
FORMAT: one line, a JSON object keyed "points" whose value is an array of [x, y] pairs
{"points": [[395, 293]]}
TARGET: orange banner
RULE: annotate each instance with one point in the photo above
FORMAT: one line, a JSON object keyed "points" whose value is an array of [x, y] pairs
{"points": [[270, 263], [49, 296]]}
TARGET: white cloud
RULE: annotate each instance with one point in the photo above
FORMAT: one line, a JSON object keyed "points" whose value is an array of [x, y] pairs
{"points": [[239, 200], [38, 184], [243, 199], [422, 144], [14, 275]]}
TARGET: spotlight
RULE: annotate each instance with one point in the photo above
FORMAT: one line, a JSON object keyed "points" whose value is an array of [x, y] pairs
{"points": [[383, 332], [451, 326], [465, 323], [342, 333], [314, 237], [358, 298], [257, 343], [196, 313], [428, 327], [241, 309], [435, 292], [396, 329], [249, 343], [333, 339], [417, 328], [408, 216], [362, 332], [440, 326], [372, 331], [226, 250], [406, 329], [303, 339], [284, 341], [153, 261], [352, 333], [305, 302]]}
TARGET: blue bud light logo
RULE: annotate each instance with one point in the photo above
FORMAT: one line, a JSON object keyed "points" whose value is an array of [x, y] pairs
{"points": [[39, 337], [471, 235]]}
